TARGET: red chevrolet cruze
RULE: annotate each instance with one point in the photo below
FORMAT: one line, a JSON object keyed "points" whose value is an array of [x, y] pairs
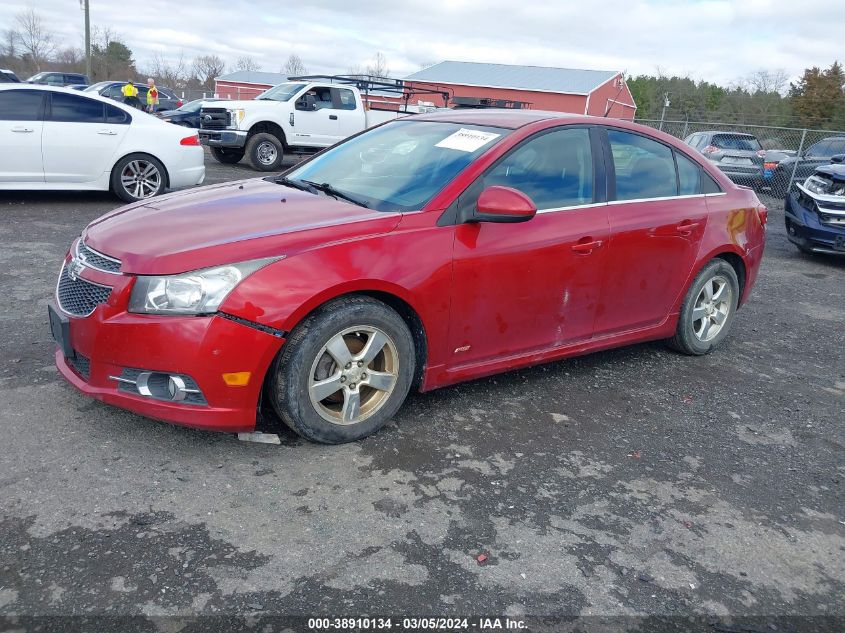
{"points": [[427, 251]]}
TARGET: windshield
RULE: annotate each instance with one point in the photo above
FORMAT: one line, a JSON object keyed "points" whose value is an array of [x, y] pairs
{"points": [[38, 77], [282, 92], [97, 86], [402, 165]]}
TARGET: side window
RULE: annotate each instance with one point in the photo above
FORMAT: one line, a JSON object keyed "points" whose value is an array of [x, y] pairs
{"points": [[55, 79], [112, 92], [346, 99], [689, 175], [323, 96], [644, 168], [20, 105], [554, 169], [73, 109], [708, 185], [837, 147], [116, 115]]}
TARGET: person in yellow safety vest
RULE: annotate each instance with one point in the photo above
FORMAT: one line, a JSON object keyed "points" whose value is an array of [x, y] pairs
{"points": [[152, 95], [130, 95]]}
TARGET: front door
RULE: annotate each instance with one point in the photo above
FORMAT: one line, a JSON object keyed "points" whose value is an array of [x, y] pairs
{"points": [[318, 126], [534, 285], [655, 231], [21, 127]]}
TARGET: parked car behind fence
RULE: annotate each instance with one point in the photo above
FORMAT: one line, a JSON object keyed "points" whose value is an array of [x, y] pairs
{"points": [[787, 149], [167, 99]]}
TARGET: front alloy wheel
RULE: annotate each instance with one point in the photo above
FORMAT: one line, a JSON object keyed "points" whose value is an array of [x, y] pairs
{"points": [[353, 375], [344, 371]]}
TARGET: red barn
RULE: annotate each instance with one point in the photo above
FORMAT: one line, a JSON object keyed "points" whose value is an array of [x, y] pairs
{"points": [[542, 88], [246, 84]]}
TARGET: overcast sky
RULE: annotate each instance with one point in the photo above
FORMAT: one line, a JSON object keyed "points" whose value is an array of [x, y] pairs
{"points": [[717, 40]]}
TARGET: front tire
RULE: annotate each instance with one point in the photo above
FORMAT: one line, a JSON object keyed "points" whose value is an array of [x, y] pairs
{"points": [[708, 310], [344, 371], [265, 152], [137, 177], [226, 155]]}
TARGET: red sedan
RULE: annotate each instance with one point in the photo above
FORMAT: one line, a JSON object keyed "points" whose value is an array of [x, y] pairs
{"points": [[427, 251]]}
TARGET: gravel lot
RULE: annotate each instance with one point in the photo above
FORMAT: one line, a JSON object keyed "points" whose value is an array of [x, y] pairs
{"points": [[630, 482]]}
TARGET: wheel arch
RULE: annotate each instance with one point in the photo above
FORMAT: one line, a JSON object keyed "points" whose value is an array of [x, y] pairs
{"points": [[394, 297], [734, 257], [128, 154], [268, 127]]}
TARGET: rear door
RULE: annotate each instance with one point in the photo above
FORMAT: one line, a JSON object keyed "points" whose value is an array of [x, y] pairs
{"points": [[655, 230], [21, 127], [79, 142], [349, 113]]}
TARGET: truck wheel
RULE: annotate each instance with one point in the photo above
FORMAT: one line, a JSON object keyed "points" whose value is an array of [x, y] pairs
{"points": [[227, 156], [265, 152]]}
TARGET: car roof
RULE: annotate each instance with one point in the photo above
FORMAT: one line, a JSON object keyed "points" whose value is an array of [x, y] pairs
{"points": [[68, 90], [728, 132]]}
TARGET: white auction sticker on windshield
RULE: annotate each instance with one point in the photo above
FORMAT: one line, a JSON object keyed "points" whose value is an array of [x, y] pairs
{"points": [[466, 140]]}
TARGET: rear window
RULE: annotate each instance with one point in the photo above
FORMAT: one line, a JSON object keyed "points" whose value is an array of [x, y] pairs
{"points": [[740, 142]]}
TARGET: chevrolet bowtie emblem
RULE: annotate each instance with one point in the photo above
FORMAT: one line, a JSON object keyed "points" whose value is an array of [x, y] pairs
{"points": [[75, 268]]}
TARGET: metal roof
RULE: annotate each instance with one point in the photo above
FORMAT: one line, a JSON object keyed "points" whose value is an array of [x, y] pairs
{"points": [[254, 77], [539, 78]]}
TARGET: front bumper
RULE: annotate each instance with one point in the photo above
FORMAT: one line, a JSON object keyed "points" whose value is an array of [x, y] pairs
{"points": [[805, 229], [223, 138], [112, 340]]}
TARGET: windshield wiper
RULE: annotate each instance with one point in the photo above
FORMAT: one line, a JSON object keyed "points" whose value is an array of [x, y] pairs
{"points": [[336, 193], [296, 184]]}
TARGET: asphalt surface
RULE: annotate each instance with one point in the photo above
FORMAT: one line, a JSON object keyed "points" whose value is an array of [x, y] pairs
{"points": [[625, 483]]}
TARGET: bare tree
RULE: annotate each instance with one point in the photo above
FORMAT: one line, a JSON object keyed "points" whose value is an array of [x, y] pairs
{"points": [[378, 69], [355, 70], [294, 66], [765, 81], [172, 75], [246, 63], [35, 39], [10, 43], [206, 68]]}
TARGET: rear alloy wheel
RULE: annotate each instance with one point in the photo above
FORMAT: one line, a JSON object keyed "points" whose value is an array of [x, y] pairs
{"points": [[708, 309], [265, 152], [137, 177], [345, 371], [226, 155]]}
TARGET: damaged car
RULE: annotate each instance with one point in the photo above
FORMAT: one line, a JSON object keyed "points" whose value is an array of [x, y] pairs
{"points": [[815, 211]]}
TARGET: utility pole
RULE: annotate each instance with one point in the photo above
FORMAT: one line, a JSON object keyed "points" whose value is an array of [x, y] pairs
{"points": [[84, 6], [666, 104]]}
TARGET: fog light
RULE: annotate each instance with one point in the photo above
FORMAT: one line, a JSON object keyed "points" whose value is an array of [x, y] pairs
{"points": [[237, 379]]}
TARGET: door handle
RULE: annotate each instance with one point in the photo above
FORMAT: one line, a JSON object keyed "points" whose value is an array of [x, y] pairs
{"points": [[586, 245], [23, 130], [333, 117], [107, 132], [687, 227]]}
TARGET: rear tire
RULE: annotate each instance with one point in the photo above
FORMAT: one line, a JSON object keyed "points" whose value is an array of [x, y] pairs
{"points": [[344, 372], [226, 155], [265, 152], [708, 310], [138, 177]]}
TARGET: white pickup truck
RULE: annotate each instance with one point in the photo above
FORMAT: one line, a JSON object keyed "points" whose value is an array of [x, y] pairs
{"points": [[293, 117]]}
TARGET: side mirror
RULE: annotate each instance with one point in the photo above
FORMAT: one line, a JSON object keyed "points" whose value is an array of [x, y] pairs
{"points": [[505, 205], [838, 159], [307, 103]]}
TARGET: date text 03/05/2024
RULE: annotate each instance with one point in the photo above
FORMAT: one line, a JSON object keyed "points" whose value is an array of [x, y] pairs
{"points": [[417, 624]]}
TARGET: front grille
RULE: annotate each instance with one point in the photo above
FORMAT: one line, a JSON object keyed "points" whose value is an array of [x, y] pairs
{"points": [[214, 118], [98, 261], [81, 365], [157, 383], [79, 297]]}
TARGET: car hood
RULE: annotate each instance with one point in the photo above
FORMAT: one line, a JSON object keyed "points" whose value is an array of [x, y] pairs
{"points": [[835, 172], [231, 222]]}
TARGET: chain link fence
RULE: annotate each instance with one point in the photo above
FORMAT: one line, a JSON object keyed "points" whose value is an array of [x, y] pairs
{"points": [[790, 154]]}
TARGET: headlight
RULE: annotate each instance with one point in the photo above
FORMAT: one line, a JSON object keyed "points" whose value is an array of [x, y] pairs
{"points": [[236, 116], [198, 292], [817, 185]]}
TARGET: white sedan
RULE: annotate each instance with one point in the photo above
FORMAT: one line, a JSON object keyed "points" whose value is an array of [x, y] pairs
{"points": [[58, 138]]}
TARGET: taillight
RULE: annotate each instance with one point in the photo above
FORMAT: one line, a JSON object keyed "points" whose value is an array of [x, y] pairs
{"points": [[770, 165], [763, 214], [179, 103], [710, 149], [190, 140]]}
